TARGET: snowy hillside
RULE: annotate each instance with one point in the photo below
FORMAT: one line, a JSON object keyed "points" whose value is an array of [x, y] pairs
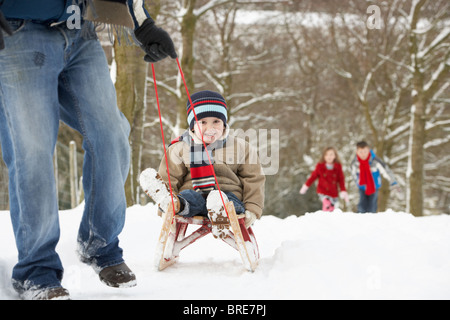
{"points": [[318, 256]]}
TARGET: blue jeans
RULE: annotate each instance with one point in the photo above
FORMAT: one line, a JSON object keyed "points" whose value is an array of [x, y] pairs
{"points": [[367, 203], [194, 204], [48, 74]]}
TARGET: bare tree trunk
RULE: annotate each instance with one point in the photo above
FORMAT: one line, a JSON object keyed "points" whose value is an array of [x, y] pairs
{"points": [[74, 199], [187, 59], [130, 86], [414, 174]]}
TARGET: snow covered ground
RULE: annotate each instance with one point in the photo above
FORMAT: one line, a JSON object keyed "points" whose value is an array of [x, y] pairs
{"points": [[321, 255]]}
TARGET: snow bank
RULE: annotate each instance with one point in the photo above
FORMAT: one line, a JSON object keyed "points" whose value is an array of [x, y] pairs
{"points": [[320, 255]]}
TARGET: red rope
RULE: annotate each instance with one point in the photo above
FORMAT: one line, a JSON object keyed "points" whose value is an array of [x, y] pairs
{"points": [[164, 143]]}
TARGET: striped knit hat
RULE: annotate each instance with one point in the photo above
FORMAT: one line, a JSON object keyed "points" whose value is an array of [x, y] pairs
{"points": [[206, 104]]}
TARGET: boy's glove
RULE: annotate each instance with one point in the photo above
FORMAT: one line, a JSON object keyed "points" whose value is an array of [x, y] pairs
{"points": [[4, 26], [250, 218], [155, 41], [303, 189]]}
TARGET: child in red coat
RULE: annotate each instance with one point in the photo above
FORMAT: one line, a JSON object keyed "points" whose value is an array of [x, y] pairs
{"points": [[329, 172]]}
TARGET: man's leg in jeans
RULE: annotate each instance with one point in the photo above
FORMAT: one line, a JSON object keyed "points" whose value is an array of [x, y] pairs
{"points": [[89, 105], [29, 121]]}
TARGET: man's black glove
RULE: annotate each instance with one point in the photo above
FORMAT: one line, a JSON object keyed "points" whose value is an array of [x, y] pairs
{"points": [[4, 26], [155, 41]]}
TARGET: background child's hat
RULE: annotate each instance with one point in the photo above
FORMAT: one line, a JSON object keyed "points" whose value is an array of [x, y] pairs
{"points": [[206, 104]]}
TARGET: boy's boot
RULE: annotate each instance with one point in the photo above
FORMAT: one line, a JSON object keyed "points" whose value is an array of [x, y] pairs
{"points": [[217, 214], [158, 190]]}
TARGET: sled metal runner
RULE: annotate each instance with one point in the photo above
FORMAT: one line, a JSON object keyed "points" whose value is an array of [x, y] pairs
{"points": [[173, 238]]}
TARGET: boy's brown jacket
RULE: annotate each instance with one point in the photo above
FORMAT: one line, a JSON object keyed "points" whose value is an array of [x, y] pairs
{"points": [[236, 165]]}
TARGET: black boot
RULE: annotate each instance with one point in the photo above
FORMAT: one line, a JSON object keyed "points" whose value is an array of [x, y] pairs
{"points": [[119, 276]]}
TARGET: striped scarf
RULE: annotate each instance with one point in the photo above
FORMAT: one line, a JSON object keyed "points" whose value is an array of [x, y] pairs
{"points": [[201, 171]]}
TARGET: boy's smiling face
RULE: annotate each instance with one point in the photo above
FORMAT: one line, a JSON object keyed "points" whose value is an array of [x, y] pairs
{"points": [[211, 127]]}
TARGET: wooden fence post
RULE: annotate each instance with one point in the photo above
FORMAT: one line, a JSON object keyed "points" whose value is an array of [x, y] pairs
{"points": [[74, 195]]}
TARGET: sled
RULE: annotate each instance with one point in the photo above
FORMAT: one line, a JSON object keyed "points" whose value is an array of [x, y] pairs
{"points": [[173, 237]]}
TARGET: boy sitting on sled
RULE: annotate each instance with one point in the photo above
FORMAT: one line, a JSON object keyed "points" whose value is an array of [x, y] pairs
{"points": [[236, 165]]}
